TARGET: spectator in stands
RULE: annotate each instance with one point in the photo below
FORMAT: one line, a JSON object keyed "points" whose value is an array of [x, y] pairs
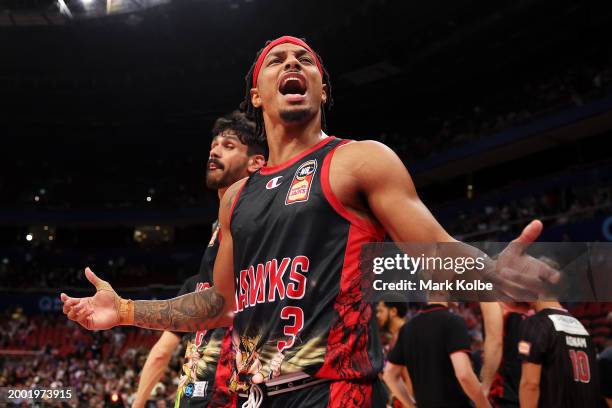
{"points": [[65, 364]]}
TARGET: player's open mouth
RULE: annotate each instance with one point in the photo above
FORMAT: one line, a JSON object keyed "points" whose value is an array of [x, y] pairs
{"points": [[214, 166], [292, 85]]}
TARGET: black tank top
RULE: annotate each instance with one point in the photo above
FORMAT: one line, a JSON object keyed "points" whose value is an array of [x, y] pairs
{"points": [[299, 290]]}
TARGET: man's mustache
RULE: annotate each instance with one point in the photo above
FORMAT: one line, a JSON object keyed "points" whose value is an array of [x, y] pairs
{"points": [[216, 162]]}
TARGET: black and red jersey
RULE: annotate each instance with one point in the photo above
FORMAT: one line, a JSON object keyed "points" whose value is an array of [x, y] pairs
{"points": [[559, 343], [206, 370], [300, 306], [505, 387]]}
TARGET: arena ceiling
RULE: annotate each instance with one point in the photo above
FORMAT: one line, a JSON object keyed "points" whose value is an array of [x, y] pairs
{"points": [[179, 65]]}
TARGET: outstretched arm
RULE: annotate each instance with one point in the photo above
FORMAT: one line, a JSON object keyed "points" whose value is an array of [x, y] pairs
{"points": [[106, 309], [212, 307], [373, 171], [188, 313]]}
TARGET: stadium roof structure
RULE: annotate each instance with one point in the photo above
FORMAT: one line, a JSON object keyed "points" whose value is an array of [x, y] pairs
{"points": [[182, 63], [27, 13]]}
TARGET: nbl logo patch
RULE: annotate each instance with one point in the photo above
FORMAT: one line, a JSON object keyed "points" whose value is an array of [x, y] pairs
{"points": [[299, 191]]}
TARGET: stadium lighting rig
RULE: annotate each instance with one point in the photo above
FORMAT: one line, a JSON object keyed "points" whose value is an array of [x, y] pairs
{"points": [[63, 8], [60, 12], [74, 9]]}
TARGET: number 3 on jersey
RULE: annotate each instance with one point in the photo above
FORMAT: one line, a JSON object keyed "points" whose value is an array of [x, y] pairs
{"points": [[293, 329]]}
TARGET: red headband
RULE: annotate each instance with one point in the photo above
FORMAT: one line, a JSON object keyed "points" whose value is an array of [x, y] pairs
{"points": [[282, 40]]}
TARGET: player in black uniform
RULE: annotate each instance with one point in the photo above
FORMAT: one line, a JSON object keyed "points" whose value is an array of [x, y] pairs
{"points": [[435, 347], [559, 360], [235, 153], [501, 370], [288, 262]]}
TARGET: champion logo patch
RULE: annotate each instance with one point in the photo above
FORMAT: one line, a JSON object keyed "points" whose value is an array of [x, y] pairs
{"points": [[273, 183], [299, 191]]}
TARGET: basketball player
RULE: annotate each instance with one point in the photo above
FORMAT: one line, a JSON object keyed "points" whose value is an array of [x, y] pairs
{"points": [[391, 318], [501, 369], [235, 153], [435, 347], [288, 261], [559, 360]]}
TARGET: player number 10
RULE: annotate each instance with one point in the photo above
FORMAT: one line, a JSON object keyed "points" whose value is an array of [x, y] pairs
{"points": [[580, 364]]}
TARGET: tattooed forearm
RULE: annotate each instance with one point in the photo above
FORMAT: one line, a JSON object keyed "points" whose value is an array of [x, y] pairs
{"points": [[191, 312]]}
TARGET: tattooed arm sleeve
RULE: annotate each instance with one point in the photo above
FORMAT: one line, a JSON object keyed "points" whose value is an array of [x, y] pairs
{"points": [[191, 312], [200, 310]]}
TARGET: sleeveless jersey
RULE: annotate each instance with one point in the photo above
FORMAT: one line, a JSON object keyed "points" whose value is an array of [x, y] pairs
{"points": [[558, 342], [208, 359], [299, 289]]}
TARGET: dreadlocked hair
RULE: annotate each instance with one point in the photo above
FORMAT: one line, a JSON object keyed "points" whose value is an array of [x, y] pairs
{"points": [[256, 115]]}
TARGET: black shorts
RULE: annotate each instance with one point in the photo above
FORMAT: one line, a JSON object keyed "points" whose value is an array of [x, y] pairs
{"points": [[331, 394]]}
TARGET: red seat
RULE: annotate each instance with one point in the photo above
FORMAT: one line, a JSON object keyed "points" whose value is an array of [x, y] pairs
{"points": [[593, 309]]}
